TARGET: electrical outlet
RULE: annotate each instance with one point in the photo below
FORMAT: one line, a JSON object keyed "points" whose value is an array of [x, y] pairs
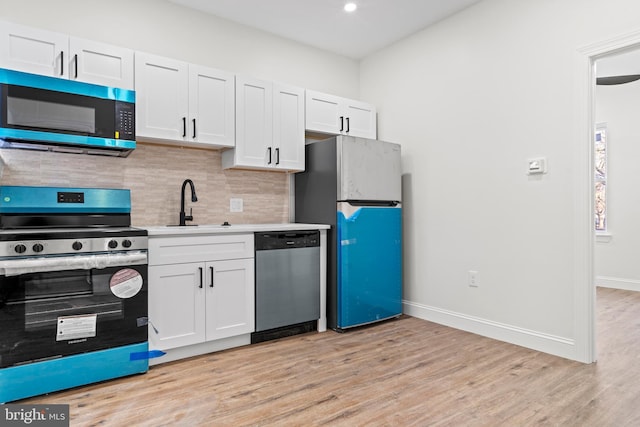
{"points": [[472, 277], [236, 205]]}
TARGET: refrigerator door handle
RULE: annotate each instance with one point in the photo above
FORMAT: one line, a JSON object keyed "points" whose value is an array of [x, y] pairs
{"points": [[383, 203]]}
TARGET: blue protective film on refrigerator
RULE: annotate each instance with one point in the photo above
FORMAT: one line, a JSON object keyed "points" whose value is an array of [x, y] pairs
{"points": [[369, 265]]}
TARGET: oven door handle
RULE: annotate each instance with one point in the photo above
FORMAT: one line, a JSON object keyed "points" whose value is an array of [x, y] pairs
{"points": [[14, 267]]}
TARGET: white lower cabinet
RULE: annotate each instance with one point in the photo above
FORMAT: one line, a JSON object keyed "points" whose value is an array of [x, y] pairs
{"points": [[229, 298], [206, 300]]}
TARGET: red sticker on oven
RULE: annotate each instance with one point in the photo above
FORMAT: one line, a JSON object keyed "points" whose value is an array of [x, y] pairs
{"points": [[126, 283]]}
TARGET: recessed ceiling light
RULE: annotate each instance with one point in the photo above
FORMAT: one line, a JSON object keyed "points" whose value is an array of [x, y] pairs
{"points": [[350, 7]]}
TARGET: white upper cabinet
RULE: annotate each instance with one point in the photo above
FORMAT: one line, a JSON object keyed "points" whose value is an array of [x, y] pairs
{"points": [[288, 127], [254, 125], [162, 97], [211, 106], [269, 127], [100, 63], [34, 51], [177, 102], [57, 55], [335, 115], [360, 119]]}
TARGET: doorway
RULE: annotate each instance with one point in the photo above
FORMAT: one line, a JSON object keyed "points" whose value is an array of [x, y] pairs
{"points": [[585, 234]]}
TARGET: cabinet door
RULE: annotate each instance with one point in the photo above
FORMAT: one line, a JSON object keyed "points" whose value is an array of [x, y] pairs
{"points": [[176, 305], [323, 113], [162, 97], [230, 298], [34, 51], [254, 123], [360, 119], [100, 63], [211, 106], [288, 127]]}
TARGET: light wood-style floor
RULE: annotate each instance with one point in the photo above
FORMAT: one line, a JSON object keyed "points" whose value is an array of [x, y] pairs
{"points": [[405, 372]]}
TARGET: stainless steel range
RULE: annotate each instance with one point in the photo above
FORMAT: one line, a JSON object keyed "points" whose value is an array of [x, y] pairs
{"points": [[73, 289]]}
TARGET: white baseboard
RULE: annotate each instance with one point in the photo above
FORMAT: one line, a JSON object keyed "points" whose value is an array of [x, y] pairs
{"points": [[618, 283], [558, 346]]}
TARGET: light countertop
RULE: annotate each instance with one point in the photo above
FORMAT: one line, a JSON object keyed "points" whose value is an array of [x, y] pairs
{"points": [[175, 230]]}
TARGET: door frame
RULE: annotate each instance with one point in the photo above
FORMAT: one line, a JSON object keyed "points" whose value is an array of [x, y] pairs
{"points": [[584, 240]]}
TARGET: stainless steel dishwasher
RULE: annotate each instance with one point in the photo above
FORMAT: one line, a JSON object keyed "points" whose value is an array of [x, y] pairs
{"points": [[287, 283]]}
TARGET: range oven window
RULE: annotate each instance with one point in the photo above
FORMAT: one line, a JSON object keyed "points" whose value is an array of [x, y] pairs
{"points": [[50, 296], [53, 314]]}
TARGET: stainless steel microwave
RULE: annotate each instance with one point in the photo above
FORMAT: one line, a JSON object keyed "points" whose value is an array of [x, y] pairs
{"points": [[49, 113]]}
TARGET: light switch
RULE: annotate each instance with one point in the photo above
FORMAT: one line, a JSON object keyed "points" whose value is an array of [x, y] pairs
{"points": [[537, 166]]}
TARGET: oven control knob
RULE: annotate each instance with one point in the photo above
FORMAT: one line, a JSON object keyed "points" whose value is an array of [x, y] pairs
{"points": [[126, 243], [38, 247], [20, 249], [76, 246], [112, 244]]}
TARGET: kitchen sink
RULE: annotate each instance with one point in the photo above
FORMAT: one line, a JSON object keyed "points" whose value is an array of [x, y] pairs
{"points": [[198, 225]]}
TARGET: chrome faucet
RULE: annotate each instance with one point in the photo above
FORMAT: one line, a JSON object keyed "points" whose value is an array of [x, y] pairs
{"points": [[183, 216]]}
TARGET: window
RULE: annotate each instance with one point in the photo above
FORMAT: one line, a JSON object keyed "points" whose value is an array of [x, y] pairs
{"points": [[600, 177]]}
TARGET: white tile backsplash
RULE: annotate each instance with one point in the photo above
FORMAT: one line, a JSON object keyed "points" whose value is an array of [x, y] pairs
{"points": [[154, 174]]}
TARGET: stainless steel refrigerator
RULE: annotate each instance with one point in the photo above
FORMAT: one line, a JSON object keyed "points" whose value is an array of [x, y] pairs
{"points": [[354, 184]]}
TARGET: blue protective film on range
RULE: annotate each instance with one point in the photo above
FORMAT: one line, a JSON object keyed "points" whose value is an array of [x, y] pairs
{"points": [[19, 382], [27, 199], [152, 354]]}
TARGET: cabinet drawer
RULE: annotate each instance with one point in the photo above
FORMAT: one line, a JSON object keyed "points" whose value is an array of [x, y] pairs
{"points": [[182, 249]]}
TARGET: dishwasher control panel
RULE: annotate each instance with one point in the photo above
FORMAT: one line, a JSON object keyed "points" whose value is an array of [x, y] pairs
{"points": [[286, 240]]}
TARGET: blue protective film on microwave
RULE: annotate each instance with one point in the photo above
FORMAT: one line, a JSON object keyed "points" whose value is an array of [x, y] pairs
{"points": [[57, 84], [369, 265], [65, 138]]}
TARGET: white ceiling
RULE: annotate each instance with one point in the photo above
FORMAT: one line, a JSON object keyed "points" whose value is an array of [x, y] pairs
{"points": [[324, 24]]}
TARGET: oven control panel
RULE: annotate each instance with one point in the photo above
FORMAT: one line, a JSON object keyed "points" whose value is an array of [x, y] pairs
{"points": [[23, 248]]}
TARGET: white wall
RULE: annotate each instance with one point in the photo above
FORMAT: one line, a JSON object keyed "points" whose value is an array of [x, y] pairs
{"points": [[470, 100], [163, 28], [616, 259]]}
